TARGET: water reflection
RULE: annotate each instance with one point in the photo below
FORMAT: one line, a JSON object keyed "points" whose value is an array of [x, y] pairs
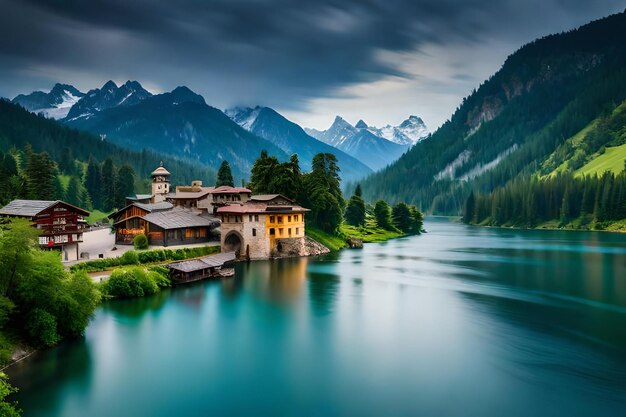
{"points": [[278, 281], [461, 321]]}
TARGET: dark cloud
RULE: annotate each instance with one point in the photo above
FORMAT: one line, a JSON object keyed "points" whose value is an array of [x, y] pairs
{"points": [[277, 52]]}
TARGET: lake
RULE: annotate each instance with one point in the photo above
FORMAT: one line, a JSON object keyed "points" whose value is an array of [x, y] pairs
{"points": [[461, 321]]}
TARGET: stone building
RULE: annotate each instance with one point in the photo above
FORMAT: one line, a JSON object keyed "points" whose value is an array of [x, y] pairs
{"points": [[263, 227], [61, 224], [208, 199]]}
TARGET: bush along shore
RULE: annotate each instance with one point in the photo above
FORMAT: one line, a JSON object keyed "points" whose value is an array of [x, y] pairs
{"points": [[133, 257], [41, 303]]}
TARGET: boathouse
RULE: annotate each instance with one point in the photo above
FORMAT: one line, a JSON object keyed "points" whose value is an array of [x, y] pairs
{"points": [[197, 269]]}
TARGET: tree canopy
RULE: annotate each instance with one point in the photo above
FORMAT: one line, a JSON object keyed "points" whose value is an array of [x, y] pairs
{"points": [[224, 176]]}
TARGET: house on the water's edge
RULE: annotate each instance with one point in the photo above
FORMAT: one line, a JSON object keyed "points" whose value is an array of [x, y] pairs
{"points": [[252, 226], [263, 227], [61, 224]]}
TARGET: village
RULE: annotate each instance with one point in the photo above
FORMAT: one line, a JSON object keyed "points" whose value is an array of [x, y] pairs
{"points": [[243, 225]]}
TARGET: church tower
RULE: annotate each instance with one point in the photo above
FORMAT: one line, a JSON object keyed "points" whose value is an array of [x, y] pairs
{"points": [[160, 184]]}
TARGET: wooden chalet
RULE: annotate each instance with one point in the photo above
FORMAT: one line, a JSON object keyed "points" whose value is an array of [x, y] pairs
{"points": [[61, 224], [179, 227], [197, 269], [129, 221]]}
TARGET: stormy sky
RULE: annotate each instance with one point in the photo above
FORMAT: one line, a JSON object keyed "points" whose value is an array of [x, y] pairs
{"points": [[379, 60]]}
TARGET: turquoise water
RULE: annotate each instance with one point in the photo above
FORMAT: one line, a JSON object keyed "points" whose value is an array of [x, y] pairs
{"points": [[462, 321]]}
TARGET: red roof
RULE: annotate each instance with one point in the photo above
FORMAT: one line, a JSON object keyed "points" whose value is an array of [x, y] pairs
{"points": [[225, 189], [260, 208]]}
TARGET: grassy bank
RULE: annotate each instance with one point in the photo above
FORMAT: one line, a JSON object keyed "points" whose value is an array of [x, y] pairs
{"points": [[332, 242], [369, 233]]}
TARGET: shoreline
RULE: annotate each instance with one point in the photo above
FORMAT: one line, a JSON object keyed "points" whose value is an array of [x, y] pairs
{"points": [[553, 229]]}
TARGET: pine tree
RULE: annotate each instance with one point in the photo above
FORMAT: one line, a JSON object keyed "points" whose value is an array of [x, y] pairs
{"points": [[41, 176], [382, 213], [418, 220], [263, 174], [93, 183], [73, 194], [323, 192], [402, 218], [355, 211], [224, 176], [66, 162], [108, 185], [125, 185]]}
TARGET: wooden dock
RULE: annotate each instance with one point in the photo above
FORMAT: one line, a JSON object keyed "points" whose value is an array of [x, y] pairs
{"points": [[212, 266]]}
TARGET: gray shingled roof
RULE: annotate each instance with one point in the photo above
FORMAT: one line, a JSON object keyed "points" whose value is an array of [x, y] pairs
{"points": [[177, 219], [203, 263], [30, 208], [140, 197], [25, 207], [164, 205]]}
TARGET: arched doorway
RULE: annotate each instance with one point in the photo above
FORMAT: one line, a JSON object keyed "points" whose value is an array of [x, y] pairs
{"points": [[233, 242]]}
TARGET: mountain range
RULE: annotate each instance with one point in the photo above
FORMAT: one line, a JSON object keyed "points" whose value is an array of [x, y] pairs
{"points": [[181, 123], [291, 138], [375, 147], [545, 111]]}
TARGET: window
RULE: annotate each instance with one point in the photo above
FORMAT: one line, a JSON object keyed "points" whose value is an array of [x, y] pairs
{"points": [[271, 219], [289, 219], [289, 231], [250, 217], [295, 218], [297, 231], [280, 232], [280, 219], [253, 232], [272, 231], [189, 233], [256, 217]]}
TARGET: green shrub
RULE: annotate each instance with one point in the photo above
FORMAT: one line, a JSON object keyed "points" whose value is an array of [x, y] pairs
{"points": [[7, 409], [123, 284], [129, 258], [42, 327], [140, 242], [160, 280], [145, 257], [132, 282]]}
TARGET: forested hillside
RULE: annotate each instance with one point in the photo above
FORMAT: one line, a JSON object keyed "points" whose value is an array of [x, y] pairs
{"points": [[512, 125], [42, 159]]}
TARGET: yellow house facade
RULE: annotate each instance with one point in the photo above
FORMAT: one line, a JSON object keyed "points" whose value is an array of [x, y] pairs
{"points": [[265, 226]]}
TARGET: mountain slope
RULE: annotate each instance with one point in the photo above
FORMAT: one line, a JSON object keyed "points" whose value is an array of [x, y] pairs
{"points": [[544, 93], [55, 104], [179, 123], [291, 138], [19, 127], [360, 143]]}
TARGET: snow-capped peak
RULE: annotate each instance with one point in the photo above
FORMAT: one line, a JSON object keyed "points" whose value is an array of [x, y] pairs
{"points": [[361, 124], [55, 104], [409, 132], [243, 116]]}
